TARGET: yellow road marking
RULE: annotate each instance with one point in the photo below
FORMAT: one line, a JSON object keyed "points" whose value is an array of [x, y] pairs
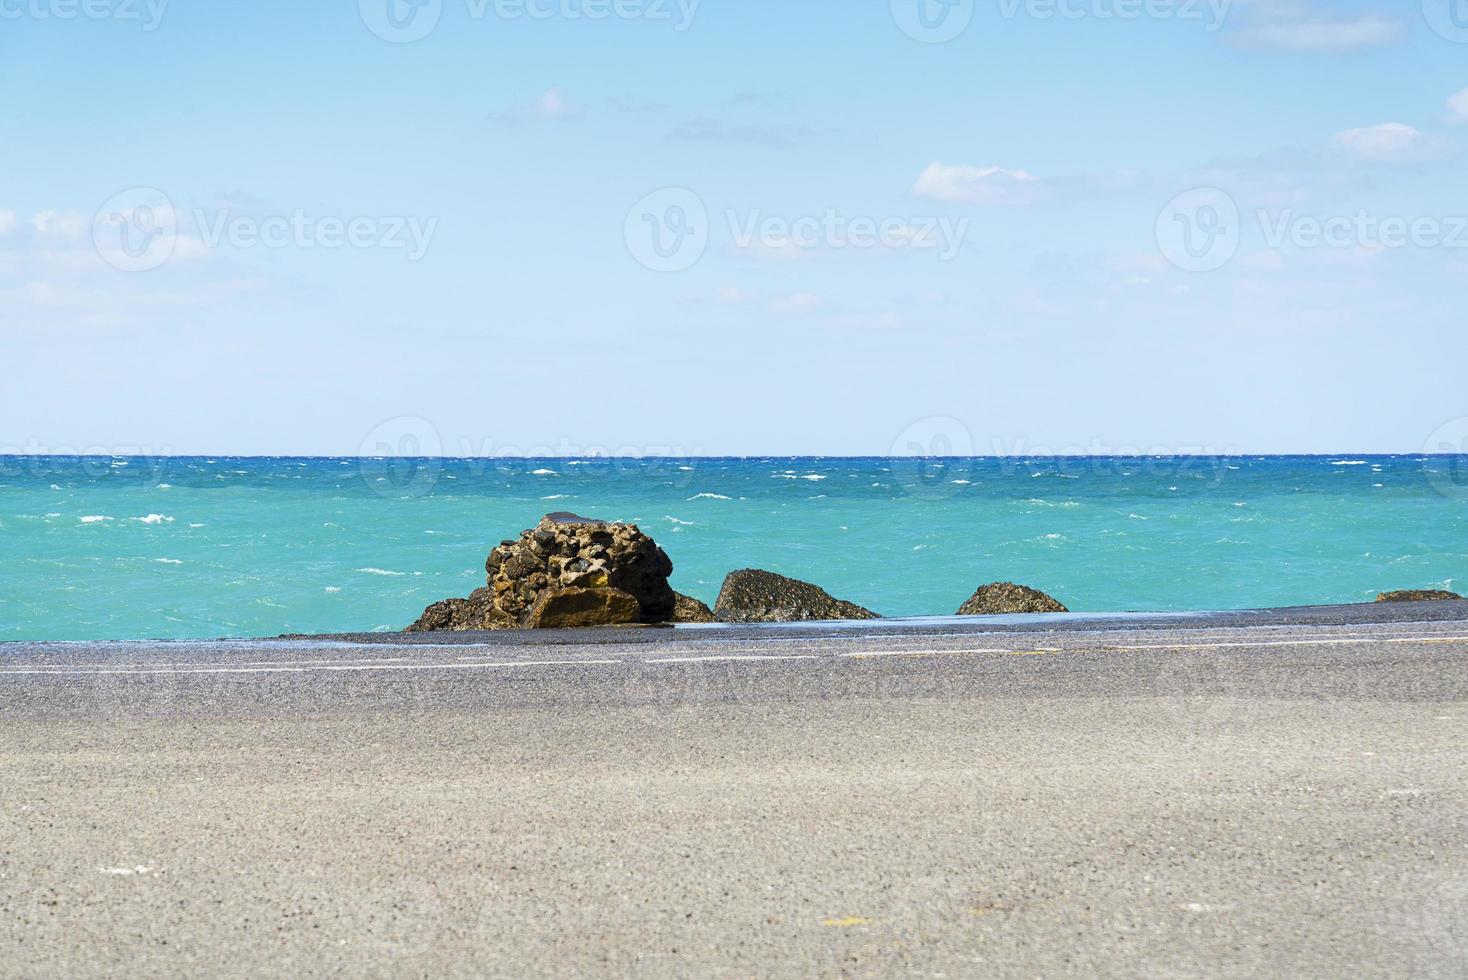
{"points": [[851, 920]]}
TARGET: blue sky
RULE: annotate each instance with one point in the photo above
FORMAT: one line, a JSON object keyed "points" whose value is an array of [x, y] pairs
{"points": [[732, 227]]}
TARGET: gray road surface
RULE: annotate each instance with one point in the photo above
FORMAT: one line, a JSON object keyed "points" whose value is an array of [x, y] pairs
{"points": [[1272, 794]]}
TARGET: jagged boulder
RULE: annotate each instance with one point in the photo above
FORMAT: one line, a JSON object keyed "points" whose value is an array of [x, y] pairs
{"points": [[751, 595], [1001, 598], [575, 564], [574, 608], [690, 610], [1417, 595]]}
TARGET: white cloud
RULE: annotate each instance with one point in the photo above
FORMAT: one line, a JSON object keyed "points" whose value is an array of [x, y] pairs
{"points": [[554, 105], [1388, 143], [1458, 107], [963, 184], [730, 296], [54, 224], [1316, 36], [797, 304], [9, 222]]}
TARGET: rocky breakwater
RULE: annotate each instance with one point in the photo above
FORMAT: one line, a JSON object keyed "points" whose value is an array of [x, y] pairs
{"points": [[1006, 598], [1418, 595], [567, 571], [752, 595]]}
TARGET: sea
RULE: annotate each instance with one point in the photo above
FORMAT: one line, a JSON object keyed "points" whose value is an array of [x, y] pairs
{"points": [[202, 547]]}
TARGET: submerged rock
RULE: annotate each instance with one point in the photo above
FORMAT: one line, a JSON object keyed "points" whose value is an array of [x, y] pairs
{"points": [[565, 554], [690, 610], [751, 595], [1418, 595], [1001, 598]]}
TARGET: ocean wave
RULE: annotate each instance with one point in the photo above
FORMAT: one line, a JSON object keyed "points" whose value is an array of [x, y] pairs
{"points": [[1348, 462], [168, 561], [675, 520], [333, 588], [556, 496], [153, 519], [95, 519], [544, 472], [813, 476], [961, 483], [379, 571], [708, 496]]}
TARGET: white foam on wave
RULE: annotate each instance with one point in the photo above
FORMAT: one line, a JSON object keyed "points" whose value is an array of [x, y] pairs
{"points": [[379, 571], [168, 561], [95, 519], [813, 476], [333, 588], [1348, 462], [708, 496], [544, 472], [556, 496], [153, 519], [675, 520], [961, 483]]}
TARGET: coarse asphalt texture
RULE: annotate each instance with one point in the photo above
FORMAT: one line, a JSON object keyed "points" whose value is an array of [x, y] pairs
{"points": [[1268, 793]]}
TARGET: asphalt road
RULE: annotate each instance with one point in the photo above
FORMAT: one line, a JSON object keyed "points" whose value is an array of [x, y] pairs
{"points": [[1267, 794]]}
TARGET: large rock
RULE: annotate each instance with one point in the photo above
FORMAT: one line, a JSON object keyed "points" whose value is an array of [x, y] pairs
{"points": [[456, 614], [1002, 598], [690, 610], [1417, 595], [565, 553], [574, 608], [754, 596]]}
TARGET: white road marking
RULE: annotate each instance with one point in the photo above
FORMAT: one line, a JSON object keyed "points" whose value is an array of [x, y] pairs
{"points": [[1332, 641], [304, 669], [816, 653], [706, 660], [918, 652]]}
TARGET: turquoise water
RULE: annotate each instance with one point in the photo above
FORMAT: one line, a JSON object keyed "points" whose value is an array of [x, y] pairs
{"points": [[95, 548]]}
